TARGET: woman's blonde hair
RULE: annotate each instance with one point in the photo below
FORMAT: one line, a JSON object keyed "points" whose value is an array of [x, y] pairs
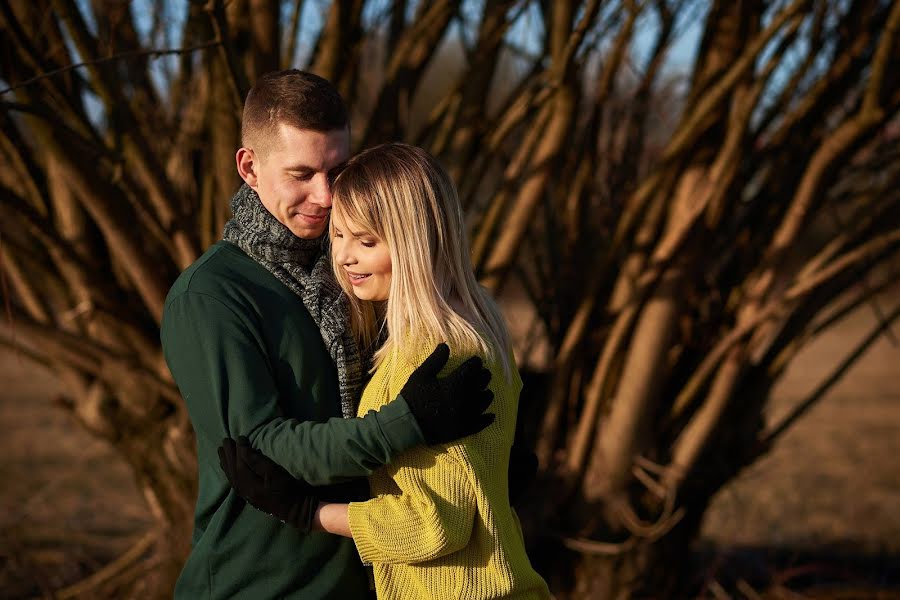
{"points": [[401, 194]]}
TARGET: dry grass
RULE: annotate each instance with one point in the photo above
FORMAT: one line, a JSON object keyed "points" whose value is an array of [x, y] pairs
{"points": [[834, 478], [820, 513], [68, 504]]}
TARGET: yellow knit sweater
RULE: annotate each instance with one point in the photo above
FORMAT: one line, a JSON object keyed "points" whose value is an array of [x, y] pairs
{"points": [[440, 524]]}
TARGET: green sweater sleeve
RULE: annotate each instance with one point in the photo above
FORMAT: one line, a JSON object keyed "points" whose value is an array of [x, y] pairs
{"points": [[219, 362], [339, 449]]}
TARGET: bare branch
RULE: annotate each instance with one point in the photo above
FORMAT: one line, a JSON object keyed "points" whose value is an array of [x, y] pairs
{"points": [[89, 585], [872, 100], [820, 390], [237, 78], [692, 127], [287, 59]]}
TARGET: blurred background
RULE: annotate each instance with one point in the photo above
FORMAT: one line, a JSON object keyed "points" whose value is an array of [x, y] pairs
{"points": [[690, 211]]}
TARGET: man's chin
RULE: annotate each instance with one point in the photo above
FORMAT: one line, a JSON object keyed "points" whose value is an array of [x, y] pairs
{"points": [[308, 234], [305, 231]]}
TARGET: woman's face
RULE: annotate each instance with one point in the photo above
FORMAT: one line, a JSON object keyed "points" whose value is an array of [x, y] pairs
{"points": [[364, 257]]}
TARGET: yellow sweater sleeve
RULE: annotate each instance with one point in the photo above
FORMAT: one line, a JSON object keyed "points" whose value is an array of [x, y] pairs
{"points": [[431, 517]]}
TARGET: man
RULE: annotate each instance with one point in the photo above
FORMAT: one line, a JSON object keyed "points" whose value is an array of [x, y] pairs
{"points": [[256, 335]]}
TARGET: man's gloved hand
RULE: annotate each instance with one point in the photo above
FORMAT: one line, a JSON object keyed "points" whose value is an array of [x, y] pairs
{"points": [[267, 485], [452, 407], [523, 466]]}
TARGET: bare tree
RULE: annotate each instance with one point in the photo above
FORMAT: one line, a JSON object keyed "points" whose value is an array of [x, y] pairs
{"points": [[668, 234]]}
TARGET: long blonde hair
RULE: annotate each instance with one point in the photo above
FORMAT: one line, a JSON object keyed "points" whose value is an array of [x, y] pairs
{"points": [[401, 194]]}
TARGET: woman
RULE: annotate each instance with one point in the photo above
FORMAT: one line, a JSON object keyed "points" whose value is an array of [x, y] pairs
{"points": [[440, 524]]}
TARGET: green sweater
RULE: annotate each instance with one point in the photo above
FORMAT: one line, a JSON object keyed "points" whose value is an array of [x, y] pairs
{"points": [[249, 360]]}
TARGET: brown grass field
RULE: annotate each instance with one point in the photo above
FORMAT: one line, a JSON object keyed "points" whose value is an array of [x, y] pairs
{"points": [[817, 518]]}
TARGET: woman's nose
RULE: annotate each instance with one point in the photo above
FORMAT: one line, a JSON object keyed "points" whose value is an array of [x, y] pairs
{"points": [[344, 256]]}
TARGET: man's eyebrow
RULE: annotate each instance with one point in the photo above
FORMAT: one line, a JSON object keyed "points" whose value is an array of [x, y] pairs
{"points": [[300, 168]]}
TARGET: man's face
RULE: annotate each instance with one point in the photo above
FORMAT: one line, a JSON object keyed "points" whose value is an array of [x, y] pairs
{"points": [[292, 177]]}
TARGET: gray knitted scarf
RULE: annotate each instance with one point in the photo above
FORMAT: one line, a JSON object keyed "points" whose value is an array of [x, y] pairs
{"points": [[305, 268]]}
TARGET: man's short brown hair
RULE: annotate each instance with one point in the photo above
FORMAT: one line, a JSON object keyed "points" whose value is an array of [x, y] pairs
{"points": [[294, 98]]}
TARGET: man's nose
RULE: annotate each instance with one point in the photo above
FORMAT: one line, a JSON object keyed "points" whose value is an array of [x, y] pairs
{"points": [[321, 193]]}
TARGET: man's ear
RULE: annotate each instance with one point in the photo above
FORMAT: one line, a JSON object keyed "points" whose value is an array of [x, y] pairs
{"points": [[246, 166]]}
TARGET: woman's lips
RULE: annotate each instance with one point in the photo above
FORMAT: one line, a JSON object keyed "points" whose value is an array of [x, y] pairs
{"points": [[357, 278]]}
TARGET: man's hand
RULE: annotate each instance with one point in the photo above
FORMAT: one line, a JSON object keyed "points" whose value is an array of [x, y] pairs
{"points": [[267, 485], [452, 407]]}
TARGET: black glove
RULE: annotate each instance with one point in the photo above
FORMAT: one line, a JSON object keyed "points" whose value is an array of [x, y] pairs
{"points": [[267, 485], [449, 408], [523, 465]]}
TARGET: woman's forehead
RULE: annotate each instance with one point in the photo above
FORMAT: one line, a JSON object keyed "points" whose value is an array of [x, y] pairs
{"points": [[348, 224]]}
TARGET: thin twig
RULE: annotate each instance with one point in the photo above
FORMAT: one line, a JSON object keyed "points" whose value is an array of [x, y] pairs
{"points": [[109, 571], [7, 301], [648, 531], [588, 546], [22, 350], [37, 535], [829, 381], [868, 294], [649, 465], [718, 591], [155, 53], [745, 588], [651, 484]]}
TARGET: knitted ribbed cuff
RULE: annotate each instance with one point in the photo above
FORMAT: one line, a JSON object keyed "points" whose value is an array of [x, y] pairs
{"points": [[399, 425], [356, 515]]}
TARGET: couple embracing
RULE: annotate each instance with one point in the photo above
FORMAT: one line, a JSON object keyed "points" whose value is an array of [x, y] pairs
{"points": [[337, 357]]}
